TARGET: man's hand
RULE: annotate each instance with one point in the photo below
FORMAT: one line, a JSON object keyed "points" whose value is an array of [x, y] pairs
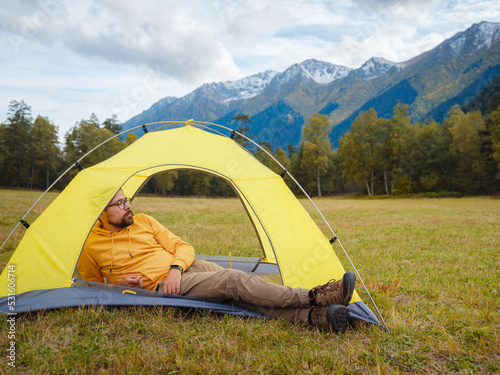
{"points": [[132, 281], [172, 283]]}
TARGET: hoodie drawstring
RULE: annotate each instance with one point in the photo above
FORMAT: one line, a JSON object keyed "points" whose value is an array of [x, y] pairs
{"points": [[129, 243], [112, 251]]}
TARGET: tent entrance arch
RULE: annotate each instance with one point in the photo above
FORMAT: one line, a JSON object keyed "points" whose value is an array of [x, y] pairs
{"points": [[50, 248], [225, 182]]}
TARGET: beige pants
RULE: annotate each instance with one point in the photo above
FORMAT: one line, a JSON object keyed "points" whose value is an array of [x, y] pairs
{"points": [[209, 281]]}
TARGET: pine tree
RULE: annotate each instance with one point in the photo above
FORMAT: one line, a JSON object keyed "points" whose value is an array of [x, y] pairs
{"points": [[46, 156], [16, 145], [112, 124], [243, 128]]}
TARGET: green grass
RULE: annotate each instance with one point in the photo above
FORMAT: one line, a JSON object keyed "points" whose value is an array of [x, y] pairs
{"points": [[432, 266]]}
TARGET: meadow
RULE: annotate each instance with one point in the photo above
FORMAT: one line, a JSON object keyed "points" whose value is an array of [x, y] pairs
{"points": [[431, 265]]}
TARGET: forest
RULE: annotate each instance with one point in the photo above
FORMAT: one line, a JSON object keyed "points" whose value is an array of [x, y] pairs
{"points": [[378, 156]]}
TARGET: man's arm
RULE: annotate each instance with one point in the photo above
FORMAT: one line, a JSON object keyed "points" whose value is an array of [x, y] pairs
{"points": [[90, 271], [183, 256], [182, 252]]}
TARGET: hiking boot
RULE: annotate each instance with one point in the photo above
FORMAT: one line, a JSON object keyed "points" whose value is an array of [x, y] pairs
{"points": [[335, 292], [332, 318]]}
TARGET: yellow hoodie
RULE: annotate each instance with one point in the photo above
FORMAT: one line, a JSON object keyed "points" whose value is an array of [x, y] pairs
{"points": [[144, 248]]}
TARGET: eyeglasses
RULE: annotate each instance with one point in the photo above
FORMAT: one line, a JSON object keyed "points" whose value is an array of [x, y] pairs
{"points": [[121, 203]]}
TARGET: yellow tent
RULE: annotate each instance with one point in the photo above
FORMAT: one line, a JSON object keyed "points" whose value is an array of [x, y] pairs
{"points": [[46, 258]]}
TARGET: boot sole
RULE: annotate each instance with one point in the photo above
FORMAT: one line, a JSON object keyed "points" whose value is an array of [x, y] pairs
{"points": [[338, 318], [348, 282]]}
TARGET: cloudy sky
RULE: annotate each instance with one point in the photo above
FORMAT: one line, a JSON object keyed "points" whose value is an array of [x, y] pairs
{"points": [[69, 59]]}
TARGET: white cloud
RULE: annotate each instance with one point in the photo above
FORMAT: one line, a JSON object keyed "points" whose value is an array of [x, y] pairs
{"points": [[248, 20], [164, 36]]}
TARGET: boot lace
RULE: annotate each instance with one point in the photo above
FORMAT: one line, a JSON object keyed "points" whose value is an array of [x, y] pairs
{"points": [[321, 290]]}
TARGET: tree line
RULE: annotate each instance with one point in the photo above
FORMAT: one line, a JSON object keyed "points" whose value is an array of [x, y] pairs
{"points": [[32, 157], [377, 156]]}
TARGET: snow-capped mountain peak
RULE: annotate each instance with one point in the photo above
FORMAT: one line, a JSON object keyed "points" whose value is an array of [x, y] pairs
{"points": [[480, 36], [247, 87], [375, 67], [318, 71], [323, 72], [244, 88]]}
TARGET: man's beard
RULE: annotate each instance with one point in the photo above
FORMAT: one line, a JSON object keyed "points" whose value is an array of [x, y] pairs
{"points": [[125, 221]]}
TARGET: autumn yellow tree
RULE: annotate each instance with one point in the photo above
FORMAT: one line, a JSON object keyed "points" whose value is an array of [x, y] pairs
{"points": [[494, 126], [164, 182], [466, 147], [317, 149], [358, 149]]}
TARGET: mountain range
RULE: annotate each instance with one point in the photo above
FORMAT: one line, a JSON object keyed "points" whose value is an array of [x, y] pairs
{"points": [[280, 103]]}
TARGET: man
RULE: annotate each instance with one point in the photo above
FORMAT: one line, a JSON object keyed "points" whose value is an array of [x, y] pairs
{"points": [[138, 252]]}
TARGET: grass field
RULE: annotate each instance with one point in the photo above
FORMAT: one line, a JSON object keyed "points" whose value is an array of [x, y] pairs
{"points": [[431, 265]]}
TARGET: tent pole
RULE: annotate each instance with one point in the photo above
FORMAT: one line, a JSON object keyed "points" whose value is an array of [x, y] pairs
{"points": [[364, 286]]}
